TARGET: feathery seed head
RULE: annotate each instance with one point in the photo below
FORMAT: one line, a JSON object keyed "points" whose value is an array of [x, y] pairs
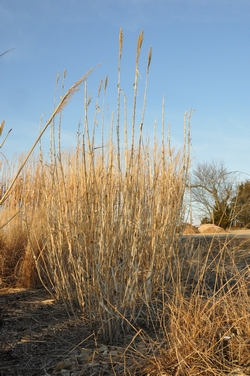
{"points": [[149, 56], [1, 127], [120, 43], [100, 88], [71, 91], [57, 77], [89, 100], [139, 44], [106, 83]]}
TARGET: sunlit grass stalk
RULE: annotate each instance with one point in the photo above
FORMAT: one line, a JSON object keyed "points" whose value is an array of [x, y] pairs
{"points": [[154, 148], [138, 52], [169, 144], [146, 84], [60, 115], [96, 112], [163, 136], [119, 99], [103, 121], [125, 132], [52, 126]]}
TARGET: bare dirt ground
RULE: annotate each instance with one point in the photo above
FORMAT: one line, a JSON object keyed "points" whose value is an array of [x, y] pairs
{"points": [[247, 232], [37, 338], [36, 333], [229, 233]]}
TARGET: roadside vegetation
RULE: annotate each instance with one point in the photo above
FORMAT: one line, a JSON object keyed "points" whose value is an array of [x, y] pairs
{"points": [[100, 227], [220, 196]]}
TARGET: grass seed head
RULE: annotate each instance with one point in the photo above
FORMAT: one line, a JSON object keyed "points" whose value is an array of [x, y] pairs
{"points": [[100, 88], [106, 83], [1, 127], [120, 43], [139, 45], [149, 56]]}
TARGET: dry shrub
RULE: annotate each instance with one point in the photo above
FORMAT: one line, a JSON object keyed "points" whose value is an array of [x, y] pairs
{"points": [[204, 336], [190, 229], [13, 244], [205, 329], [24, 203]]}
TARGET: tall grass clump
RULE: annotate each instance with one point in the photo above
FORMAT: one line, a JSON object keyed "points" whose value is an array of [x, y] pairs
{"points": [[100, 227], [109, 220]]}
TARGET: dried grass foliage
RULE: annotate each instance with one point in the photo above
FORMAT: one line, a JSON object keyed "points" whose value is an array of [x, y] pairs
{"points": [[100, 229], [106, 234], [204, 336]]}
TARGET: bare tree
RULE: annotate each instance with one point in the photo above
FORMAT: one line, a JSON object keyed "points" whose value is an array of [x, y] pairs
{"points": [[213, 187]]}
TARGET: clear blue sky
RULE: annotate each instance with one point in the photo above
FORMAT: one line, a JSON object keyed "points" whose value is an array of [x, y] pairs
{"points": [[201, 60]]}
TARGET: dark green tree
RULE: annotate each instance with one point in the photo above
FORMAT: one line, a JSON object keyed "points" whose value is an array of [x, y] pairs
{"points": [[222, 215], [240, 205]]}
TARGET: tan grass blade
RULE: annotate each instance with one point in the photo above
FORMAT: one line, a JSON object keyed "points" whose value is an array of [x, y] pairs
{"points": [[5, 136], [64, 101]]}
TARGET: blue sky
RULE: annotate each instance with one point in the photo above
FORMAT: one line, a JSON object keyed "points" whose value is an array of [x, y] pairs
{"points": [[201, 60]]}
